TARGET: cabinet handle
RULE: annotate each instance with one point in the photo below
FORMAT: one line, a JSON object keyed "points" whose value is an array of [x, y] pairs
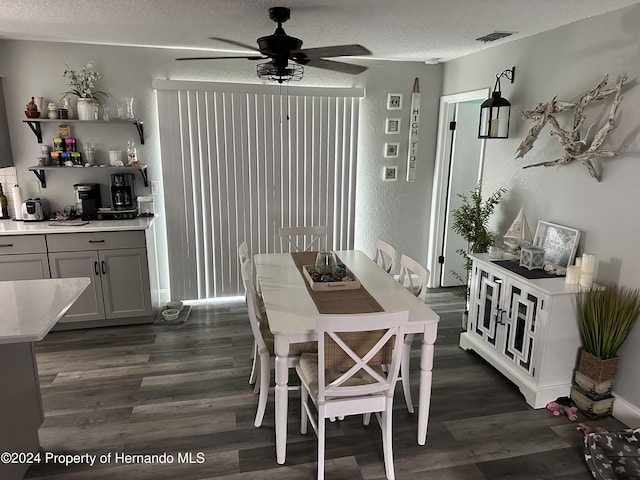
{"points": [[104, 268], [96, 268], [499, 314], [96, 241], [6, 244]]}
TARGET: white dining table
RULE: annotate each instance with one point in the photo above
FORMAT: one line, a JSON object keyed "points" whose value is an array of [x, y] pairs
{"points": [[291, 313]]}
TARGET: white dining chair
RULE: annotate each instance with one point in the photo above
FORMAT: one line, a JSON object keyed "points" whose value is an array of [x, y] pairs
{"points": [[385, 255], [414, 277], [346, 376], [243, 256], [304, 239], [265, 358]]}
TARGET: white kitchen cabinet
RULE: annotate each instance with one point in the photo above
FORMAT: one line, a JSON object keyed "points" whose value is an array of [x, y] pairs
{"points": [[23, 257], [526, 328], [117, 264]]}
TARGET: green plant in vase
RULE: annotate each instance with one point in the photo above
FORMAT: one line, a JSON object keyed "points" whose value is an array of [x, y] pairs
{"points": [[471, 222], [606, 316], [82, 83]]}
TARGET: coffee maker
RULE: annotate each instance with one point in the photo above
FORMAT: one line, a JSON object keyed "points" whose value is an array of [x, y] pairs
{"points": [[87, 200], [122, 191]]}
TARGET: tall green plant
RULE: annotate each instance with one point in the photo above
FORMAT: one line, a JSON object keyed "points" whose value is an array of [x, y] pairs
{"points": [[606, 317], [471, 221]]}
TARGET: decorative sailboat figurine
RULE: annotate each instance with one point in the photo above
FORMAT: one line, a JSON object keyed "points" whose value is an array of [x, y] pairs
{"points": [[518, 233]]}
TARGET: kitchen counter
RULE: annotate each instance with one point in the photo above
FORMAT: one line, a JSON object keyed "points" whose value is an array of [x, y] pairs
{"points": [[30, 308], [11, 227]]}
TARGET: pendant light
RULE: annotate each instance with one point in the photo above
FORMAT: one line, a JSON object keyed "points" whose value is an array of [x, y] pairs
{"points": [[496, 111]]}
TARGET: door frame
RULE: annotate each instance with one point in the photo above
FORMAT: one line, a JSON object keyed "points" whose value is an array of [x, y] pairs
{"points": [[441, 177]]}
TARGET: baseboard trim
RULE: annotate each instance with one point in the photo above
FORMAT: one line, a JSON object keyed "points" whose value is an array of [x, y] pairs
{"points": [[626, 412]]}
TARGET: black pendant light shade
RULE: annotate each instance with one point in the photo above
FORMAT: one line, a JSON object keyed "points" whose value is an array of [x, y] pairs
{"points": [[495, 112]]}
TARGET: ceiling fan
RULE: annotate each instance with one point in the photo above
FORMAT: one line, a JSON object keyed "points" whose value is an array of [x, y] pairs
{"points": [[280, 48]]}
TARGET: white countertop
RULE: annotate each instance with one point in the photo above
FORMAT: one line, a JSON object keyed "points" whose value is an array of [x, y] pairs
{"points": [[11, 227], [30, 308]]}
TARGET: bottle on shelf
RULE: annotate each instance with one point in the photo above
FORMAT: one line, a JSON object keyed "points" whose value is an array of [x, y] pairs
{"points": [[132, 154], [4, 204]]}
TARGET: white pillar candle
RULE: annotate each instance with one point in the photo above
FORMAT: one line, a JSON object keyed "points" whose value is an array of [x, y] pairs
{"points": [[578, 262], [586, 280], [589, 261], [573, 275]]}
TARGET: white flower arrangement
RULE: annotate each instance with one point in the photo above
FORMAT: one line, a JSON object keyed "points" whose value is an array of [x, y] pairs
{"points": [[83, 83]]}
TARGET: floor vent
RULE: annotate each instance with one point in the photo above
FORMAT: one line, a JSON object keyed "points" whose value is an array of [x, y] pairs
{"points": [[492, 37]]}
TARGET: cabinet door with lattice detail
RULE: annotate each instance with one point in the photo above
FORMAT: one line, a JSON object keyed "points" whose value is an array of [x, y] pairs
{"points": [[523, 310], [485, 302]]}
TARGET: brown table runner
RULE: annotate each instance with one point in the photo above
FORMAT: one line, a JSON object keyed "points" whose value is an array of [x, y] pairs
{"points": [[336, 301]]}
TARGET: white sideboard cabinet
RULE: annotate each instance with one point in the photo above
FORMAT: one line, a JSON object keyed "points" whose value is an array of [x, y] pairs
{"points": [[525, 328]]}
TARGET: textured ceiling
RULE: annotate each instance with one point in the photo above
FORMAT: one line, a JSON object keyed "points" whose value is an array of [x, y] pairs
{"points": [[406, 30]]}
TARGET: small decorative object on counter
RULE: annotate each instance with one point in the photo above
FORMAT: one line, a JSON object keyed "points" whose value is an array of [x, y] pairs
{"points": [[132, 154], [532, 257], [145, 206], [32, 109], [4, 204]]}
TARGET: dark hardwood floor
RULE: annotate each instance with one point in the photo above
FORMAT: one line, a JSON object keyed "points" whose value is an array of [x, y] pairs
{"points": [[182, 389]]}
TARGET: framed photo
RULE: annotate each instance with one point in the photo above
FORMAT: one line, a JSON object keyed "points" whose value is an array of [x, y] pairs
{"points": [[392, 126], [559, 242], [391, 150], [390, 174], [394, 101]]}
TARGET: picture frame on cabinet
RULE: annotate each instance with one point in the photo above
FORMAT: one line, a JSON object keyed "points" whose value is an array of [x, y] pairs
{"points": [[394, 101], [559, 242], [390, 173], [391, 150], [392, 126]]}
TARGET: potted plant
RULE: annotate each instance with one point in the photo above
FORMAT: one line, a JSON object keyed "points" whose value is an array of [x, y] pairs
{"points": [[82, 83], [606, 315], [471, 221]]}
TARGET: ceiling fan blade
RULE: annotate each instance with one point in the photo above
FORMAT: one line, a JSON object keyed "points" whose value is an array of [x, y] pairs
{"points": [[257, 57], [333, 51], [335, 66], [233, 42]]}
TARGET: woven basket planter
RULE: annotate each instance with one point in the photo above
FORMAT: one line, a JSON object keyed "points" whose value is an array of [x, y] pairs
{"points": [[597, 369]]}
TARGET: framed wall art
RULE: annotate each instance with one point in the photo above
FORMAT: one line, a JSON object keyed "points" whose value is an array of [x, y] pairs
{"points": [[392, 126], [390, 173], [391, 150], [394, 101], [559, 242]]}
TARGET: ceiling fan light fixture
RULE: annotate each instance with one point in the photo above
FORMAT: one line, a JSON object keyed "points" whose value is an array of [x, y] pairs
{"points": [[270, 71]]}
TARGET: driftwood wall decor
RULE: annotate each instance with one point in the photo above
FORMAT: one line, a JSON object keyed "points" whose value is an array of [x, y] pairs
{"points": [[577, 147]]}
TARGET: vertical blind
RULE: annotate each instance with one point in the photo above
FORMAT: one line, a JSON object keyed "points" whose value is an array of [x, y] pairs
{"points": [[239, 162]]}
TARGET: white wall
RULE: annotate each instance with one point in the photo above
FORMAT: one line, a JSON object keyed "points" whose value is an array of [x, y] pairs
{"points": [[397, 211], [567, 62]]}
